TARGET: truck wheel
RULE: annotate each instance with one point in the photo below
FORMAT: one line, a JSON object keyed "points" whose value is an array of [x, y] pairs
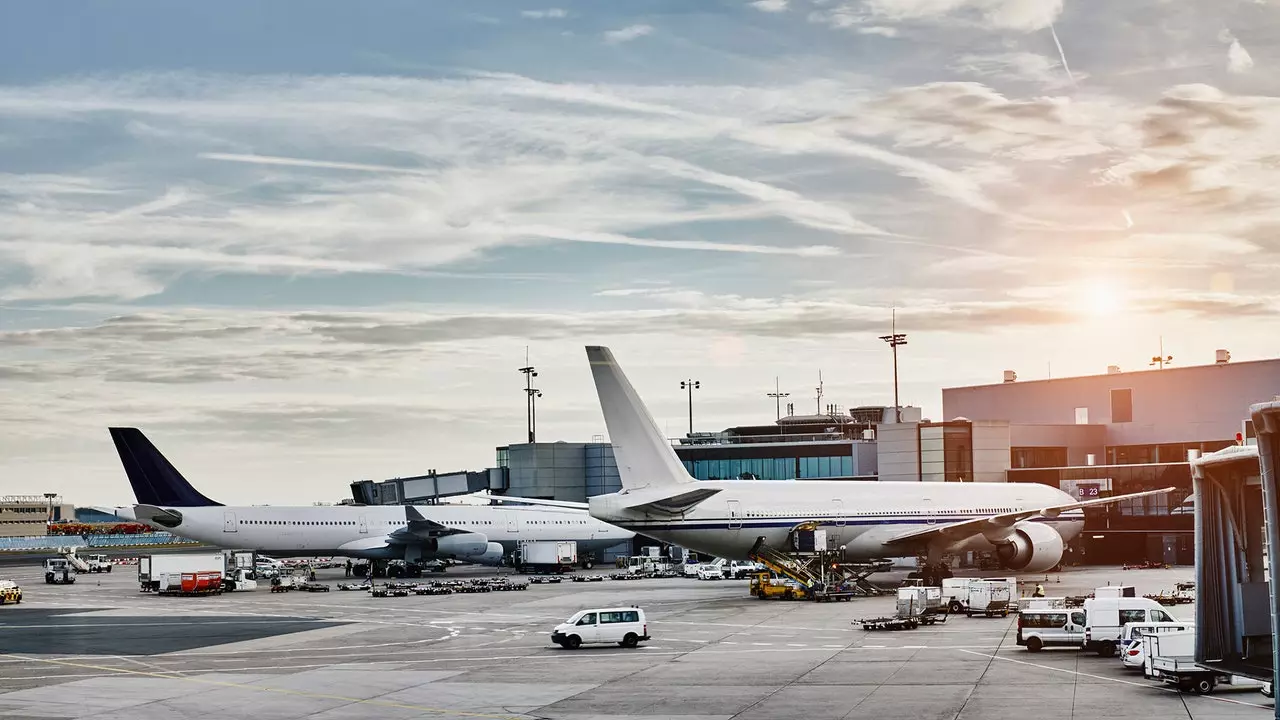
{"points": [[109, 568], [1203, 685], [573, 642], [630, 641], [48, 577], [1035, 644], [956, 607], [587, 565], [1107, 650]]}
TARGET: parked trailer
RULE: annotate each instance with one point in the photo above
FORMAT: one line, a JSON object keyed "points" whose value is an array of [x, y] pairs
{"points": [[1170, 658], [190, 583], [152, 567], [548, 556]]}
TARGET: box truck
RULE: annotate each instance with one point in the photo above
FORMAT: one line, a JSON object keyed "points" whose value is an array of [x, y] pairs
{"points": [[163, 573], [547, 556]]}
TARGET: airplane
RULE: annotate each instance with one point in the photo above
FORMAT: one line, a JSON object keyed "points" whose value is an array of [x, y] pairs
{"points": [[1026, 524], [481, 534]]}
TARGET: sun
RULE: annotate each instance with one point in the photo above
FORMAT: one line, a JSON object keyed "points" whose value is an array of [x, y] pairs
{"points": [[1102, 297]]}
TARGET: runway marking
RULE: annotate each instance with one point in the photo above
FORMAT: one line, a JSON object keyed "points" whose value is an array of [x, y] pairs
{"points": [[283, 691], [153, 624], [1091, 676]]}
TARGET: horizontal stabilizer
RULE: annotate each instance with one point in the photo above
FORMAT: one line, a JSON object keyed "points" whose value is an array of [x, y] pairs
{"points": [[1000, 524], [418, 527], [675, 504]]}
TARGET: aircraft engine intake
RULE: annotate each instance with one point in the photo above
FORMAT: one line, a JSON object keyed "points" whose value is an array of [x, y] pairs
{"points": [[492, 556], [462, 545], [1032, 548]]}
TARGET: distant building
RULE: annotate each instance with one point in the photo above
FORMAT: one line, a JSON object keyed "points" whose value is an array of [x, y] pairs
{"points": [[25, 515]]}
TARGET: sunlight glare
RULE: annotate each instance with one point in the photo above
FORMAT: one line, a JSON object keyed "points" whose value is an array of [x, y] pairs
{"points": [[1102, 297]]}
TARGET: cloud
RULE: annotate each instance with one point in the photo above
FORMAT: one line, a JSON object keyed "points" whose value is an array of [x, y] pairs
{"points": [[544, 14], [1020, 15], [1238, 59], [770, 6], [1015, 66], [880, 30], [628, 33]]}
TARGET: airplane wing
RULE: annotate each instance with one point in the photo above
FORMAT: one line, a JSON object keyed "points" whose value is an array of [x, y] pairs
{"points": [[1004, 521], [418, 527]]}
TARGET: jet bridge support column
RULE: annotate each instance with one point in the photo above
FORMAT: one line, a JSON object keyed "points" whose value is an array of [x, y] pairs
{"points": [[1236, 530]]}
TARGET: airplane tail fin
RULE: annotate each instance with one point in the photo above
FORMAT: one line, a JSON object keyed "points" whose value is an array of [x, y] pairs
{"points": [[645, 458], [155, 481]]}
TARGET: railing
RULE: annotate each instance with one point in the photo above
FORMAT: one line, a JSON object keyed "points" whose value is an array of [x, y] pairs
{"points": [[55, 542], [757, 439]]}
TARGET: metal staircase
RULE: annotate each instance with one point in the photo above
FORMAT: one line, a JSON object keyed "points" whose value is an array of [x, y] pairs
{"points": [[819, 573]]}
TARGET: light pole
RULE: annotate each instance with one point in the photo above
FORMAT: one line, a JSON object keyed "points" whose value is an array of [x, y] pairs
{"points": [[1161, 359], [895, 338], [534, 394], [48, 512], [690, 385], [529, 391], [777, 397]]}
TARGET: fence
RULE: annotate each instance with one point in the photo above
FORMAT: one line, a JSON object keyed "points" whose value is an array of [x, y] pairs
{"points": [[56, 542]]}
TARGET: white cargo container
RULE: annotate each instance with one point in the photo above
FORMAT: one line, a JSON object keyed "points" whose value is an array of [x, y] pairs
{"points": [[548, 556], [151, 568]]}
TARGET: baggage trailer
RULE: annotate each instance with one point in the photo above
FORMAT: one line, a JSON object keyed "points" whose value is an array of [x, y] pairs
{"points": [[1170, 658]]}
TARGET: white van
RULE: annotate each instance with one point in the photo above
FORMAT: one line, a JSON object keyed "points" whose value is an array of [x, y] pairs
{"points": [[1042, 628], [624, 626], [1105, 618]]}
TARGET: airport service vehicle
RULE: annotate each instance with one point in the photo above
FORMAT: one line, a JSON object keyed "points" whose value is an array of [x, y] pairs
{"points": [[158, 572], [1132, 655], [1026, 524], [710, 572], [985, 596], [10, 592], [59, 571], [766, 586], [89, 563], [481, 534], [548, 556], [1107, 616], [624, 626], [1039, 629], [1170, 657]]}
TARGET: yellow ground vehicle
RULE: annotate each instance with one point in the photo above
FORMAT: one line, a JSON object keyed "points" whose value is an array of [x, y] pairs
{"points": [[10, 592], [765, 587]]}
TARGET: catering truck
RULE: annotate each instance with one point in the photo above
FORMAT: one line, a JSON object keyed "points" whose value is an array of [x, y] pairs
{"points": [[165, 573], [547, 556]]}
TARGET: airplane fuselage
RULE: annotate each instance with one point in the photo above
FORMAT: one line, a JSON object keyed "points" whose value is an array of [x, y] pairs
{"points": [[860, 516], [356, 531]]}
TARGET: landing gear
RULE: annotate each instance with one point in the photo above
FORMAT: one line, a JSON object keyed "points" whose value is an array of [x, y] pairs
{"points": [[933, 574]]}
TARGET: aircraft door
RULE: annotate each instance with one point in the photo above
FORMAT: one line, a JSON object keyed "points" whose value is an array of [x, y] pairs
{"points": [[735, 514], [364, 525], [512, 525], [229, 523], [837, 506]]}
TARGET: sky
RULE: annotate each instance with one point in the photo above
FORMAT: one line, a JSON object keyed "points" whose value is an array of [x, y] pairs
{"points": [[303, 244]]}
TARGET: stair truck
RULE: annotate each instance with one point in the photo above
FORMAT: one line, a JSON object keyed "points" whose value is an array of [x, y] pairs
{"points": [[57, 571]]}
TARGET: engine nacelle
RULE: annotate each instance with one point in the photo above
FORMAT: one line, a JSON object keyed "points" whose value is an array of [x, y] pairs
{"points": [[492, 556], [1032, 547], [463, 546]]}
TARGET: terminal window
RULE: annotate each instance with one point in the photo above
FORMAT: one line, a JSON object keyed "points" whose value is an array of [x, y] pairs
{"points": [[1122, 406]]}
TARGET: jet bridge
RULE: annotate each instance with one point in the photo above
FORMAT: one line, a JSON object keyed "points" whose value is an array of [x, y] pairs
{"points": [[1237, 529]]}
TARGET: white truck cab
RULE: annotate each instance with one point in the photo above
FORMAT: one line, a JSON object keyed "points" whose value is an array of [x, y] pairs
{"points": [[625, 626]]}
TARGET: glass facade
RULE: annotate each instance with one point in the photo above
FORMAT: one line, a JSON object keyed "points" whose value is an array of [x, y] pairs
{"points": [[771, 468], [776, 468]]}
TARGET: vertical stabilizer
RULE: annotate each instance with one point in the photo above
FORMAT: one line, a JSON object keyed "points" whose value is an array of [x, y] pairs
{"points": [[155, 480], [645, 458]]}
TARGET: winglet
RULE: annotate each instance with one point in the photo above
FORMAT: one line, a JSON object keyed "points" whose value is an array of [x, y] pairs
{"points": [[644, 456], [154, 479]]}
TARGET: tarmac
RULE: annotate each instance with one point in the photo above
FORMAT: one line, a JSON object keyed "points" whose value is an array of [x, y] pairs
{"points": [[101, 649]]}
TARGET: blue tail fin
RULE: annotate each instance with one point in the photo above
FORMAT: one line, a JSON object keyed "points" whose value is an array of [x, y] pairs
{"points": [[155, 481]]}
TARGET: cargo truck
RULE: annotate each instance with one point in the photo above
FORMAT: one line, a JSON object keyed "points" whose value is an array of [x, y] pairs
{"points": [[1170, 657], [163, 573], [547, 556]]}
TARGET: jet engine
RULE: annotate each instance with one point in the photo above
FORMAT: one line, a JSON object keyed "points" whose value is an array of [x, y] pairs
{"points": [[1031, 547], [492, 556], [461, 546]]}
